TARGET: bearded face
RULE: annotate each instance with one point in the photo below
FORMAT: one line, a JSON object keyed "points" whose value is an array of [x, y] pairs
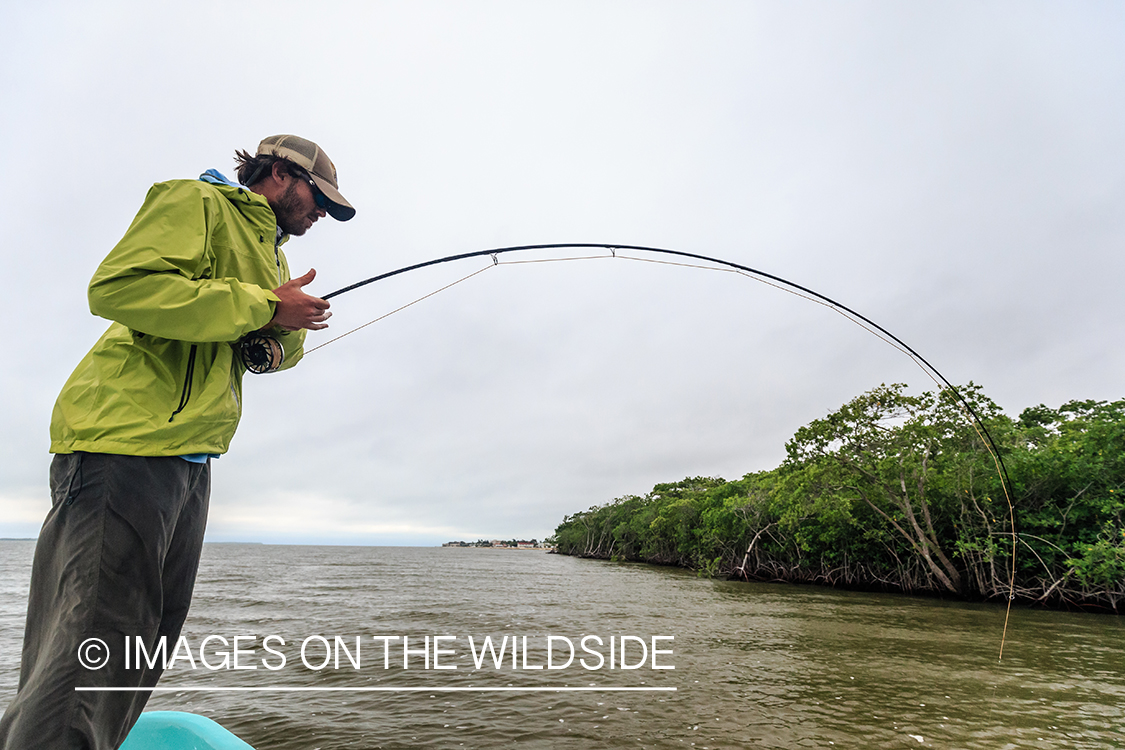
{"points": [[296, 209]]}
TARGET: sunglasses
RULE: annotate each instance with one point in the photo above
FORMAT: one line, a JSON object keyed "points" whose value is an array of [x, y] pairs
{"points": [[320, 198]]}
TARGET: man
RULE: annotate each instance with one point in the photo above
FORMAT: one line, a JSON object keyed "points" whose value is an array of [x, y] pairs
{"points": [[198, 291]]}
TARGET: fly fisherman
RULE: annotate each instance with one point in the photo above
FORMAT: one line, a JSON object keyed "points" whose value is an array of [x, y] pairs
{"points": [[198, 291]]}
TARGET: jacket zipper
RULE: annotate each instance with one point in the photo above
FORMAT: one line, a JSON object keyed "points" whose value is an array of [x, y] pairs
{"points": [[186, 393], [277, 254]]}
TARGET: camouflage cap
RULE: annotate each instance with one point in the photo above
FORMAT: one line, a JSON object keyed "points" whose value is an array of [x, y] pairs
{"points": [[312, 159]]}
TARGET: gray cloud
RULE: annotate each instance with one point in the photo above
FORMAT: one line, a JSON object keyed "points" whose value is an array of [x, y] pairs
{"points": [[952, 171]]}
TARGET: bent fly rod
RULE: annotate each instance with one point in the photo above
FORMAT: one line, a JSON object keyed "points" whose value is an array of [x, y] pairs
{"points": [[764, 277], [777, 280]]}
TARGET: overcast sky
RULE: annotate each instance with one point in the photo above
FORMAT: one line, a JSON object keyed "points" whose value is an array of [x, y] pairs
{"points": [[953, 171]]}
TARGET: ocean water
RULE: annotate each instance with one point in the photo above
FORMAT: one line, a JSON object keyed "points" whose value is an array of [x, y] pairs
{"points": [[755, 665]]}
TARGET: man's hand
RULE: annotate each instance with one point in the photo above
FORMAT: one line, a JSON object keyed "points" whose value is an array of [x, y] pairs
{"points": [[297, 310]]}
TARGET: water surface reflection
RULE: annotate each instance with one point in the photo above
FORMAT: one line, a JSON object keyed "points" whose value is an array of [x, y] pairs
{"points": [[757, 665]]}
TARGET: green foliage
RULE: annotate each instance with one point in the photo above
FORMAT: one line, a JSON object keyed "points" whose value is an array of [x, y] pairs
{"points": [[900, 491], [1102, 563]]}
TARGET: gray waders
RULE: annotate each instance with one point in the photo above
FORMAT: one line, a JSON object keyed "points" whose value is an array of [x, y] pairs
{"points": [[116, 559]]}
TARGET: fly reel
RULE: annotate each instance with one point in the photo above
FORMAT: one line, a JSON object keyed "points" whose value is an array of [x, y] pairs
{"points": [[260, 353]]}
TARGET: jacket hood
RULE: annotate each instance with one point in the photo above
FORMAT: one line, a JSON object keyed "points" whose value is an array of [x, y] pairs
{"points": [[241, 196]]}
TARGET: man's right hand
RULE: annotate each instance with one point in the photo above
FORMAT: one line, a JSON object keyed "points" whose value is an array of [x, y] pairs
{"points": [[296, 310]]}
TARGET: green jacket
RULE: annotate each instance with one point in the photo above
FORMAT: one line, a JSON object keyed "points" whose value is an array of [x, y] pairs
{"points": [[191, 276]]}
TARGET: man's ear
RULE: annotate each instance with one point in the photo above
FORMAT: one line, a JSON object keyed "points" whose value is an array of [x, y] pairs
{"points": [[280, 173]]}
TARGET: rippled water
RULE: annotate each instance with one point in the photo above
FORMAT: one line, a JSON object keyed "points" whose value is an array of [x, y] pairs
{"points": [[756, 665]]}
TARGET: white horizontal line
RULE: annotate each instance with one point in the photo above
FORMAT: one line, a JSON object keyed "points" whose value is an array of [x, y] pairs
{"points": [[279, 689]]}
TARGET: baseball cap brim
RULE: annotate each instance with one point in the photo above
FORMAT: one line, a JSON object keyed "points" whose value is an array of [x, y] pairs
{"points": [[338, 206]]}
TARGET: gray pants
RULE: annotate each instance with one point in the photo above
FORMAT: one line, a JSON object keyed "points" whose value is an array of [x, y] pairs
{"points": [[116, 559]]}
